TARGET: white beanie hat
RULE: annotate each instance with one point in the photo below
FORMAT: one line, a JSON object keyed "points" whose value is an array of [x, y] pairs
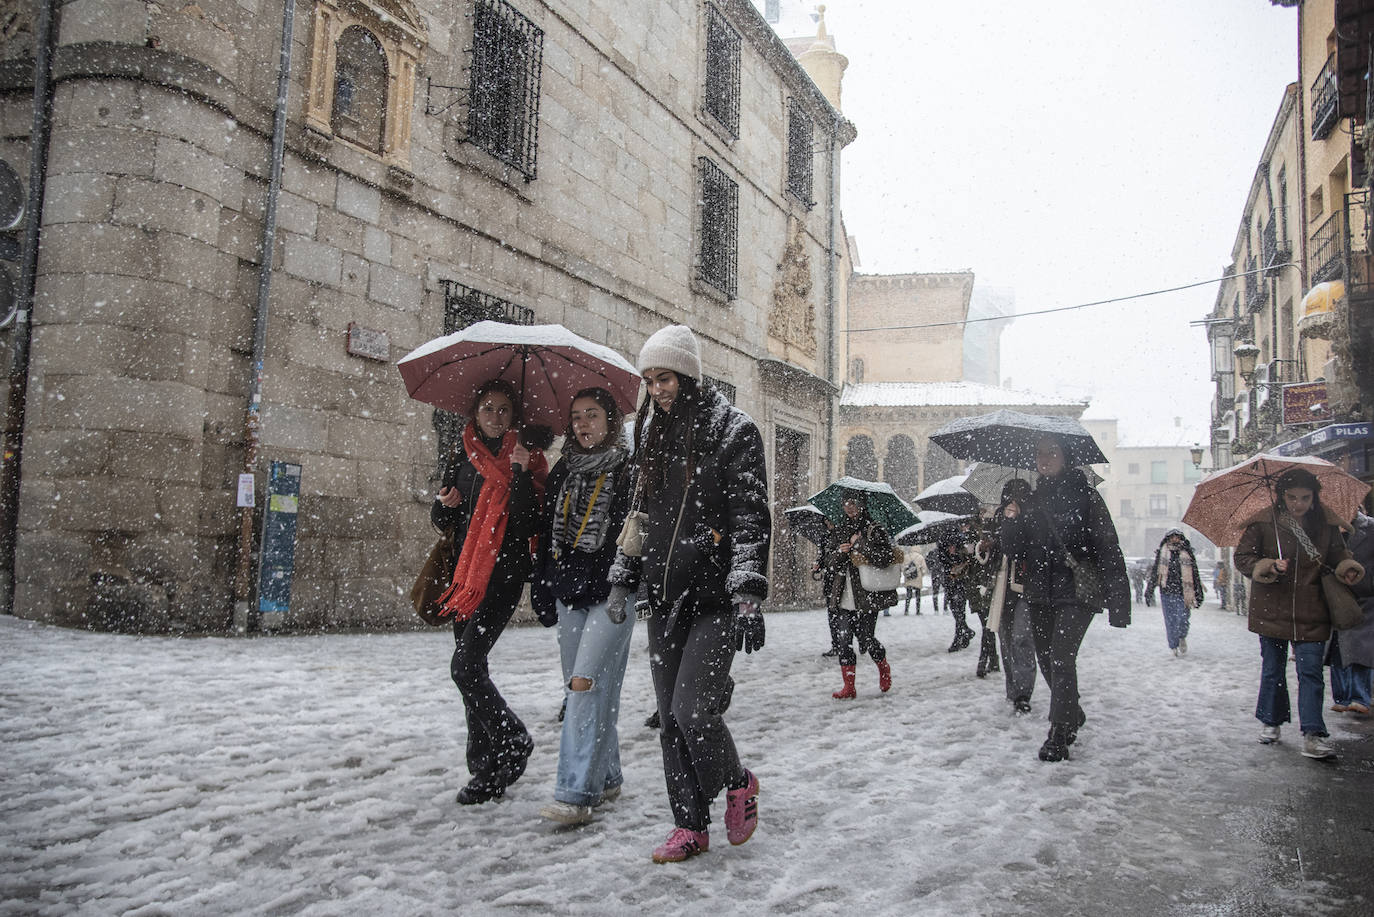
{"points": [[673, 347]]}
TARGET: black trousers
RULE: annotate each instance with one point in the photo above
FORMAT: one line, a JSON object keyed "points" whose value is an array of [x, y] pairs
{"points": [[690, 664], [859, 625], [1059, 631], [495, 734]]}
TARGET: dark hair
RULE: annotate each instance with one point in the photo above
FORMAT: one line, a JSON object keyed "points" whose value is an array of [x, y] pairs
{"points": [[614, 418], [505, 388], [1016, 490], [1315, 519], [651, 431]]}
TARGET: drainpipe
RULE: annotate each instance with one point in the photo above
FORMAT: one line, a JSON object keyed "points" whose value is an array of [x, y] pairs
{"points": [[830, 288], [45, 43], [243, 585]]}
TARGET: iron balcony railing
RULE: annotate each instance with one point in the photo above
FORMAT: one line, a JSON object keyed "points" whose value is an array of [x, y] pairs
{"points": [[1326, 249], [1359, 260], [1325, 101], [1255, 289], [1274, 251]]}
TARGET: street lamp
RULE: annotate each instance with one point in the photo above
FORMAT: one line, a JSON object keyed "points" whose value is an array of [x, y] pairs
{"points": [[1246, 354], [1196, 453]]}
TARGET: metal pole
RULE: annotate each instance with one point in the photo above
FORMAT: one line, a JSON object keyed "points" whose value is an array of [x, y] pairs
{"points": [[253, 421], [45, 40]]}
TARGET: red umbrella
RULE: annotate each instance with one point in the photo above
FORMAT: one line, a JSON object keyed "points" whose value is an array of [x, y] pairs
{"points": [[1226, 500], [547, 365]]}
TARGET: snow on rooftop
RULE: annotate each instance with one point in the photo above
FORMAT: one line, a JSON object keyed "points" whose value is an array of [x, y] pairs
{"points": [[931, 394]]}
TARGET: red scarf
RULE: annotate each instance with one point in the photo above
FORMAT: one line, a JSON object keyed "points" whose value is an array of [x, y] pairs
{"points": [[487, 527]]}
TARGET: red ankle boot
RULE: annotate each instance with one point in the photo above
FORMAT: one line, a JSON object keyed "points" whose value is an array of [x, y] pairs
{"points": [[847, 692], [884, 676]]}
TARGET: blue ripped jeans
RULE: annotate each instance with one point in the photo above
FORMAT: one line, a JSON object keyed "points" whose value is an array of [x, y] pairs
{"points": [[594, 647]]}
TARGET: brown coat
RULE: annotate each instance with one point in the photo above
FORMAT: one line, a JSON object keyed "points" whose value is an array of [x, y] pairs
{"points": [[1289, 606]]}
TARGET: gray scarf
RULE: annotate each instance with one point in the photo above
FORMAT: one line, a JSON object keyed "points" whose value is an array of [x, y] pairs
{"points": [[583, 508]]}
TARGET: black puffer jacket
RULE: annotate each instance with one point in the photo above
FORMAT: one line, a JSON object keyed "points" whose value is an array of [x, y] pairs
{"points": [[514, 561], [711, 543], [576, 578], [1069, 505]]}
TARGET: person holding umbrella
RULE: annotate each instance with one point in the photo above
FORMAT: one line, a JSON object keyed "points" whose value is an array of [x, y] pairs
{"points": [[490, 500], [1013, 618], [1175, 574], [703, 483], [1066, 538], [1284, 551], [1351, 652], [590, 495], [858, 539]]}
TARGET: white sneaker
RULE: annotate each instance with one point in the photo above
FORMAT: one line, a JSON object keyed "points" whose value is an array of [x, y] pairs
{"points": [[1315, 746], [1269, 735], [1175, 652], [1182, 646], [609, 795], [567, 814]]}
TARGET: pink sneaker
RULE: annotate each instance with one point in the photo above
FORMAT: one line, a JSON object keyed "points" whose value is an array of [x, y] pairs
{"points": [[680, 845], [742, 811]]}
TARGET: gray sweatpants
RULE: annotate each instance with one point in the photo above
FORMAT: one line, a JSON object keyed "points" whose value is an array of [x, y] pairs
{"points": [[690, 664], [1018, 648]]}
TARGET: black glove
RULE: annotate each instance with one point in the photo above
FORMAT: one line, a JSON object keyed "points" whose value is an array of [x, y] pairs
{"points": [[615, 604], [748, 626], [547, 613]]}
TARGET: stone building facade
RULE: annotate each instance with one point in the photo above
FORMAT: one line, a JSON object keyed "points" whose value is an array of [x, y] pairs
{"points": [[608, 165]]}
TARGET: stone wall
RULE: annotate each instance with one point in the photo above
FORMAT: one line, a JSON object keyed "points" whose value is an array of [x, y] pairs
{"points": [[150, 262]]}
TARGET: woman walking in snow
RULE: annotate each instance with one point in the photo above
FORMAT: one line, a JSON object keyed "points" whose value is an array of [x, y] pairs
{"points": [[490, 500], [860, 540], [1014, 624], [703, 483], [589, 496], [1068, 526], [1180, 587], [1284, 551], [1351, 652]]}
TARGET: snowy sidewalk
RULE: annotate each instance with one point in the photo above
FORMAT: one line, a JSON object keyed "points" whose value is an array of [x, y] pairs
{"points": [[316, 775]]}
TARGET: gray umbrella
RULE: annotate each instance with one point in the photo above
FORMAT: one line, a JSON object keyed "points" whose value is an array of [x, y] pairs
{"points": [[948, 495], [1009, 438]]}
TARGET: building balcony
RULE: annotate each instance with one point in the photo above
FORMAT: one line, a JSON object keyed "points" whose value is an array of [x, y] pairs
{"points": [[1327, 249], [1274, 252], [1325, 99], [1256, 293]]}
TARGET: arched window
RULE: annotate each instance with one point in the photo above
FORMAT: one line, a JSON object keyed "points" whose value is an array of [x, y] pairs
{"points": [[939, 465], [861, 461], [899, 466], [360, 84]]}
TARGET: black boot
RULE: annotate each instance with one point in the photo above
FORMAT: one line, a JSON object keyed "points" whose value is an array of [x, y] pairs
{"points": [[1071, 732], [1056, 747], [963, 634], [479, 790], [987, 655]]}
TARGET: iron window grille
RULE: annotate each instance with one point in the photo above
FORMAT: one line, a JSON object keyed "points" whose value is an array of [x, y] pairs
{"points": [[800, 133], [722, 70], [720, 385], [464, 306], [719, 229], [503, 108]]}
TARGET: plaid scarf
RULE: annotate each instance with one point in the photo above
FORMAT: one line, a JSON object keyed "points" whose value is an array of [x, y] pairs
{"points": [[581, 514]]}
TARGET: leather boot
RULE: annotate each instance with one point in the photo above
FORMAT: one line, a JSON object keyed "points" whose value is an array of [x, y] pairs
{"points": [[847, 692], [987, 655], [884, 675], [963, 634], [1056, 747]]}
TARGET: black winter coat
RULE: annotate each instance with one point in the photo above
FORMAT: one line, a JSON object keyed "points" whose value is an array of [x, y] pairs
{"points": [[710, 543], [1073, 508], [576, 578], [875, 546], [514, 561]]}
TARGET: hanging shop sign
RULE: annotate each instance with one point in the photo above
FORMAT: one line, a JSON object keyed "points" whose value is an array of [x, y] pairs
{"points": [[1305, 402]]}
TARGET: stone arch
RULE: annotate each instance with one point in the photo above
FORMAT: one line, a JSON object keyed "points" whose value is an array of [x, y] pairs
{"points": [[861, 459], [360, 77], [939, 465], [900, 468]]}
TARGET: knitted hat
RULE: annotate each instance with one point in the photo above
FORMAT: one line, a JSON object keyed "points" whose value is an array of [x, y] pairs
{"points": [[674, 347]]}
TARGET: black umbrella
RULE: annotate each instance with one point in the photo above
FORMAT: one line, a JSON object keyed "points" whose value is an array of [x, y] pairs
{"points": [[933, 526], [1009, 438], [808, 522], [948, 495]]}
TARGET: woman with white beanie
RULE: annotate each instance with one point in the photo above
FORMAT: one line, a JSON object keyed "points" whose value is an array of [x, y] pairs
{"points": [[702, 481]]}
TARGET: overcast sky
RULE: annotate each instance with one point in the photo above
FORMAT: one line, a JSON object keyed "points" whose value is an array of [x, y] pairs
{"points": [[1073, 151]]}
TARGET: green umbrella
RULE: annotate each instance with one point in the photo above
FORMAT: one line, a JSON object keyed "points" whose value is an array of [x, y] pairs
{"points": [[884, 506]]}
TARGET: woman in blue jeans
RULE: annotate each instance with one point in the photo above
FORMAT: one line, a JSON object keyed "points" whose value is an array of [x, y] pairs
{"points": [[588, 499], [1180, 587], [1284, 551]]}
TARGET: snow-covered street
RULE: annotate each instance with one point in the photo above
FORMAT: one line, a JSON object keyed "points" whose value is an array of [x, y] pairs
{"points": [[316, 775]]}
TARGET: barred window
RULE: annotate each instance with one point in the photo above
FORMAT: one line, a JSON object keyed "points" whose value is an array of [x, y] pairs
{"points": [[503, 111], [719, 228], [722, 70], [800, 133], [725, 388]]}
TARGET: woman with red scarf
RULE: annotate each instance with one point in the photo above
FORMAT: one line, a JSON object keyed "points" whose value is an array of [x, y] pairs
{"points": [[491, 500]]}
